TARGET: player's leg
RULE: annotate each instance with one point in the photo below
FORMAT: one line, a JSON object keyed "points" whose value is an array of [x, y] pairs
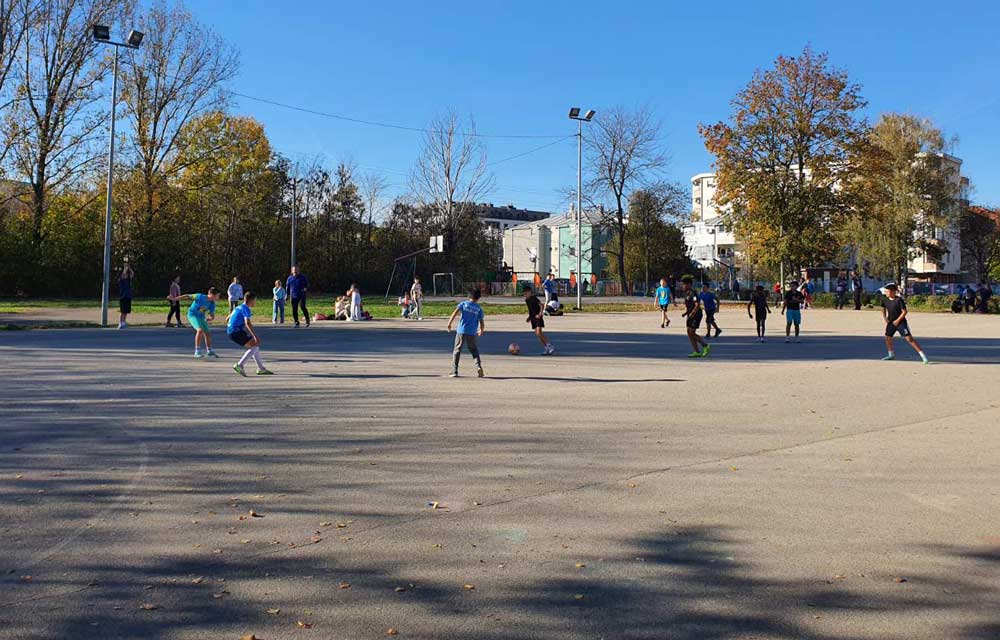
{"points": [[305, 311], [473, 344], [456, 353]]}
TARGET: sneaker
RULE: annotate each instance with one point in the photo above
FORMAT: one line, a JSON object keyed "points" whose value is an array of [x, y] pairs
{"points": [[212, 354], [796, 338], [694, 354], [927, 362], [550, 349], [663, 325], [668, 323], [238, 369], [788, 339], [453, 374], [265, 372], [199, 354], [479, 373], [892, 357], [706, 350], [121, 325], [718, 332], [308, 325], [296, 325]]}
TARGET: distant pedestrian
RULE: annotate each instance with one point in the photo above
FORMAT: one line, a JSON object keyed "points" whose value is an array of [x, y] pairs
{"points": [[663, 298], [791, 308], [297, 286], [710, 303], [806, 289], [417, 298], [841, 290], [355, 295], [758, 301], [894, 313], [969, 298], [736, 289], [471, 324], [536, 318], [125, 294], [175, 303], [777, 292], [859, 289], [550, 288], [235, 293], [985, 293], [278, 296], [693, 313]]}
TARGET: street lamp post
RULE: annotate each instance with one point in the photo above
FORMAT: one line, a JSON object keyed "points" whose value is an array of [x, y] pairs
{"points": [[102, 33], [574, 114]]}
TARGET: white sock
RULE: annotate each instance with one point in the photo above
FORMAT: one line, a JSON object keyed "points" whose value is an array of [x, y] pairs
{"points": [[922, 356], [246, 356], [255, 352], [892, 354]]}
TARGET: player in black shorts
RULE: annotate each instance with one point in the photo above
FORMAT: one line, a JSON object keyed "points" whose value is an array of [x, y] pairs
{"points": [[693, 313], [894, 314], [758, 300], [536, 317]]}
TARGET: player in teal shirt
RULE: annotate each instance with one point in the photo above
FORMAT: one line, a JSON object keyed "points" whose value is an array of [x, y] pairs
{"points": [[471, 324], [202, 305], [663, 300]]}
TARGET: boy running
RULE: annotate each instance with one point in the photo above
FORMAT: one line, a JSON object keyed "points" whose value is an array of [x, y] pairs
{"points": [[240, 330], [792, 304], [471, 323], [758, 300], [710, 302], [663, 301], [693, 313], [537, 320], [202, 303], [894, 314]]}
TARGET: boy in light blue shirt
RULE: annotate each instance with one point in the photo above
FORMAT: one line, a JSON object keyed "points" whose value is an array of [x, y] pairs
{"points": [[663, 300], [471, 323], [240, 330], [201, 304]]}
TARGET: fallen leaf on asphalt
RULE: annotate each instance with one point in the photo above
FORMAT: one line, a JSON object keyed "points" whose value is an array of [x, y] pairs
{"points": [[341, 525], [216, 550], [26, 578], [274, 612], [198, 580], [345, 585], [149, 607], [578, 596], [325, 524], [18, 476], [400, 589], [434, 505], [148, 587], [437, 546], [900, 580], [249, 636], [244, 542], [477, 504], [839, 577], [470, 587], [254, 514], [316, 539], [580, 565], [632, 485], [303, 625], [221, 594], [391, 632], [733, 468]]}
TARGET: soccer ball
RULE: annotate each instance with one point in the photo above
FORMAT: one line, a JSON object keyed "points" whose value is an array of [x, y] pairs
{"points": [[513, 349]]}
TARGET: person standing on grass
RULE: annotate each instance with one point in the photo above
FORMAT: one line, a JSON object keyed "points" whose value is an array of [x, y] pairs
{"points": [[859, 288], [278, 308], [416, 298], [663, 298], [298, 286], [240, 330], [841, 290], [202, 305], [693, 313], [235, 294], [710, 303], [355, 294], [175, 304], [536, 318], [894, 314], [791, 308], [550, 288], [758, 300], [125, 294], [471, 324]]}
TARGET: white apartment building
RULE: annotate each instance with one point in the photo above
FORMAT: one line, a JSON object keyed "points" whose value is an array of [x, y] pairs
{"points": [[710, 242]]}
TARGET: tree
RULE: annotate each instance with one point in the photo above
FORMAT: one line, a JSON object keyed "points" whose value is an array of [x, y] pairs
{"points": [[166, 84], [449, 177], [979, 229], [53, 124], [15, 16], [779, 158], [624, 154], [903, 194], [650, 245]]}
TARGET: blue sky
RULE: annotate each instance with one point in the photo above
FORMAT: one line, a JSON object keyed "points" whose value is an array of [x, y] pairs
{"points": [[518, 66]]}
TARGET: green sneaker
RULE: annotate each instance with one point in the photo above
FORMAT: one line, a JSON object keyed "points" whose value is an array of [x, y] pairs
{"points": [[265, 372], [694, 354], [704, 352], [238, 369]]}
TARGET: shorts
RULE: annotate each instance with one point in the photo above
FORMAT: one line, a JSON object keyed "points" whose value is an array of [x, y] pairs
{"points": [[198, 323], [711, 317], [537, 323], [793, 316], [664, 307], [694, 321], [240, 337], [125, 305], [903, 329]]}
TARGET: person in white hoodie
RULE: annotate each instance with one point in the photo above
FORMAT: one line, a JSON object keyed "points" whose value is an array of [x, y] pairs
{"points": [[355, 314], [235, 294]]}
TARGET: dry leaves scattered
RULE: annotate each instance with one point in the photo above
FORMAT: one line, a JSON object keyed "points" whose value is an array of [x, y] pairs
{"points": [[303, 625]]}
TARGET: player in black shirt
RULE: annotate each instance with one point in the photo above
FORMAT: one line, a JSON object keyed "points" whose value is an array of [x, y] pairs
{"points": [[758, 300], [894, 314], [693, 313], [791, 308], [536, 317]]}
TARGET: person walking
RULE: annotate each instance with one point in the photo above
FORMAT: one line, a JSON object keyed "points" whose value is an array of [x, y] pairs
{"points": [[235, 293], [125, 294], [841, 290], [710, 303], [693, 313], [175, 304], [416, 298], [758, 301], [663, 297], [985, 293], [859, 289], [550, 288], [297, 286]]}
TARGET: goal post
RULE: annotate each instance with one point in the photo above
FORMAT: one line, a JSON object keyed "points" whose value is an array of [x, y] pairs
{"points": [[446, 279]]}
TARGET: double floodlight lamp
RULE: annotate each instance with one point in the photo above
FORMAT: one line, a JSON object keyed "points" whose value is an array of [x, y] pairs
{"points": [[102, 33], [574, 114]]}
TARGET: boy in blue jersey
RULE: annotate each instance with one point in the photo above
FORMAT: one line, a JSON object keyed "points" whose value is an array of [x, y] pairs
{"points": [[663, 301], [202, 305], [240, 330], [471, 323], [710, 303]]}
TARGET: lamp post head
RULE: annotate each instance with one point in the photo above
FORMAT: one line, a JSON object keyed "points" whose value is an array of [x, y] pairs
{"points": [[102, 32], [135, 38], [574, 113]]}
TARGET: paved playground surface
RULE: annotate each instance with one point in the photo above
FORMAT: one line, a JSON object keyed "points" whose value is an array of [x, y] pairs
{"points": [[615, 490]]}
